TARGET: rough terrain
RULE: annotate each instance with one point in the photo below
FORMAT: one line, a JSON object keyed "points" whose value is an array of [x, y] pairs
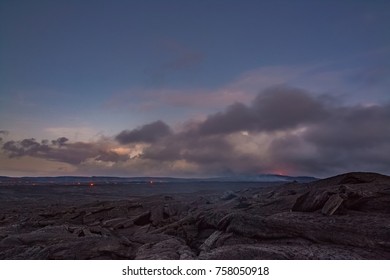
{"points": [[343, 217]]}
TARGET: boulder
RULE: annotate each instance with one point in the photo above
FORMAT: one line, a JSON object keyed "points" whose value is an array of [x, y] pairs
{"points": [[211, 240], [169, 249], [143, 219], [333, 204], [118, 223], [311, 201]]}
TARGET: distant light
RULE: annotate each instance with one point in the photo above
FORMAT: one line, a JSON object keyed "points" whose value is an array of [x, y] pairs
{"points": [[91, 184], [151, 182]]}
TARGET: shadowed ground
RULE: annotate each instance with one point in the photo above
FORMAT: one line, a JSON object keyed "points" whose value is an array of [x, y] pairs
{"points": [[343, 217]]}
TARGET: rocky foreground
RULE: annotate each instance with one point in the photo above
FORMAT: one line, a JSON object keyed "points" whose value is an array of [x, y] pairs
{"points": [[343, 217]]}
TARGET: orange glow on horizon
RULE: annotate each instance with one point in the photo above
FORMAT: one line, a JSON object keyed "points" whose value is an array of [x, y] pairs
{"points": [[280, 171]]}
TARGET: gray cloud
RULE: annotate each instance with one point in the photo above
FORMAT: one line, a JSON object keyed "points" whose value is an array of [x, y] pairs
{"points": [[352, 138], [353, 128], [287, 129], [308, 136], [147, 133], [237, 117], [60, 141], [26, 147], [190, 147], [212, 154], [278, 108], [60, 150]]}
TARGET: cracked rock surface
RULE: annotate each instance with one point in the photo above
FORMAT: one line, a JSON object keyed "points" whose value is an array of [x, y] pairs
{"points": [[342, 217]]}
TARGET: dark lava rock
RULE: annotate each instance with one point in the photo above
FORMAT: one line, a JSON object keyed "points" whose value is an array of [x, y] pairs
{"points": [[143, 219], [168, 249], [342, 217], [228, 195], [311, 201], [333, 204]]}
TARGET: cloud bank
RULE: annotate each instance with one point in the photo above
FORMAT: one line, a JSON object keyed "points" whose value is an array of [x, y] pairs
{"points": [[283, 130], [62, 151], [148, 133]]}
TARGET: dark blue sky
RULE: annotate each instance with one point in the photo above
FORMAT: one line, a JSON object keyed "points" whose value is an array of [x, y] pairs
{"points": [[78, 45], [90, 69]]}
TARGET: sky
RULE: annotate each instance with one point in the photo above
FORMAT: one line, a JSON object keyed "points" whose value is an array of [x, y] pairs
{"points": [[194, 88]]}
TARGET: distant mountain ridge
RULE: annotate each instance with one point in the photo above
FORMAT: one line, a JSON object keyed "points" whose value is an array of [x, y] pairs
{"points": [[116, 180], [264, 178]]}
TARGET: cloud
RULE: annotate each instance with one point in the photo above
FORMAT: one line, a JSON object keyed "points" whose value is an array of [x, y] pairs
{"points": [[242, 89], [33, 166], [277, 108], [352, 138], [208, 155], [26, 147], [199, 100], [62, 151], [147, 133], [60, 141], [351, 128], [355, 79], [283, 130]]}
